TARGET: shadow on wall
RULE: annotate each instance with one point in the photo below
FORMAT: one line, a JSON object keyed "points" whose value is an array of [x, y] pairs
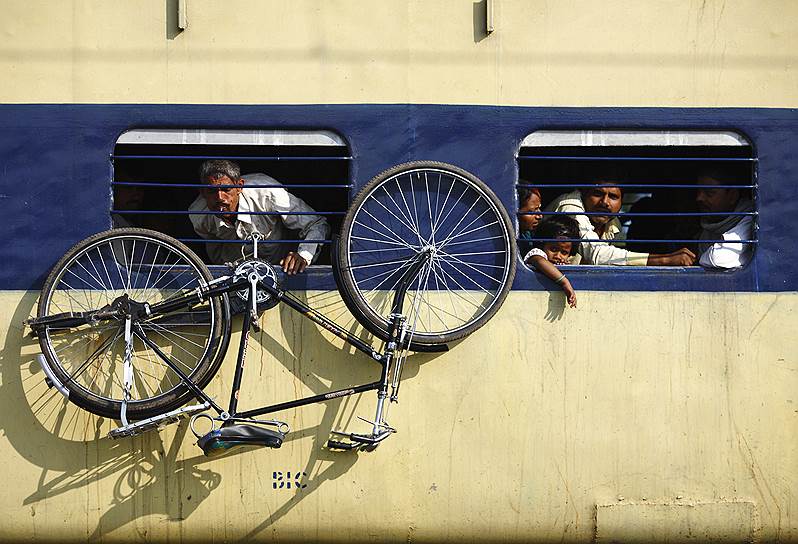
{"points": [[151, 474], [69, 445], [326, 374], [172, 19], [480, 20]]}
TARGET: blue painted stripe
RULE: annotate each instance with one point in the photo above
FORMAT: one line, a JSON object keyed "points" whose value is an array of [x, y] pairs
{"points": [[57, 170]]}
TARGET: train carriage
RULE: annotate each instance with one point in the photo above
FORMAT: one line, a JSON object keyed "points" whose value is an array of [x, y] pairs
{"points": [[660, 409]]}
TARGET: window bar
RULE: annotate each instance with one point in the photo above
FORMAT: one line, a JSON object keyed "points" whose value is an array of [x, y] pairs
{"points": [[232, 158], [211, 212], [248, 185], [642, 214], [265, 241], [633, 240], [625, 185], [609, 158]]}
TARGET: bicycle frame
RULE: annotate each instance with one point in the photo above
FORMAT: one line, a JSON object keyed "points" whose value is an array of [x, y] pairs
{"points": [[396, 341]]}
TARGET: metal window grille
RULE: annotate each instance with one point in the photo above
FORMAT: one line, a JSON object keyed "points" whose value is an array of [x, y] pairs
{"points": [[657, 171], [162, 168]]}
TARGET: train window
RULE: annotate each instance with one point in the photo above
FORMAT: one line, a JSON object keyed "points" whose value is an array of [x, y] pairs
{"points": [[656, 197], [156, 178]]}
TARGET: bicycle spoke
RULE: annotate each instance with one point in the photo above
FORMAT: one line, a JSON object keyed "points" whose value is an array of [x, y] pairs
{"points": [[158, 328], [414, 228], [467, 232], [389, 273], [367, 251], [451, 232], [100, 349], [166, 370], [459, 294], [380, 241], [371, 265], [473, 266], [472, 242], [388, 236], [407, 221], [438, 221]]}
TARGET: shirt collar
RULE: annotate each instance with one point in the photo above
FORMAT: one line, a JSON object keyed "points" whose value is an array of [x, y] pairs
{"points": [[613, 228], [244, 207]]}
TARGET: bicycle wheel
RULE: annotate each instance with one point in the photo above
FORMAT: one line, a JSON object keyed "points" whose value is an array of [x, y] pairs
{"points": [[148, 267], [456, 219]]}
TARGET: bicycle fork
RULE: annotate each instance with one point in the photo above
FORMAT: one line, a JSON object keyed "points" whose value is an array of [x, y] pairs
{"points": [[393, 360], [392, 367], [380, 430]]}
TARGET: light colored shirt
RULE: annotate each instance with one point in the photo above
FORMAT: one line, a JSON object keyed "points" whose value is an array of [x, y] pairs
{"points": [[591, 250], [271, 227], [730, 255], [534, 252]]}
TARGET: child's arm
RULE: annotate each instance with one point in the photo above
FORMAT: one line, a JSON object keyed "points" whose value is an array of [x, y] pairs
{"points": [[550, 271]]}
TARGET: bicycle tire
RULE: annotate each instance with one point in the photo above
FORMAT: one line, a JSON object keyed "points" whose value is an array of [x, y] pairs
{"points": [[88, 360], [397, 215]]}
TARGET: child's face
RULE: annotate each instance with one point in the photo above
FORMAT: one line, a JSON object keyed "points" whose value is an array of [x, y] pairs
{"points": [[532, 204], [557, 252]]}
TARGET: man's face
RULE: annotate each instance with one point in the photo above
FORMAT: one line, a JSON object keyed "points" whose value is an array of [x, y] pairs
{"points": [[532, 204], [128, 197], [715, 199], [222, 199], [606, 198]]}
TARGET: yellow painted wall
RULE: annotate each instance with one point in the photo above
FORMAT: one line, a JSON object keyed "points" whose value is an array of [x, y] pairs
{"points": [[542, 52], [635, 415], [633, 412]]}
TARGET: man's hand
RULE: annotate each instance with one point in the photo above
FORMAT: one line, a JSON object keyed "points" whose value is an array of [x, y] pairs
{"points": [[293, 263], [680, 257]]}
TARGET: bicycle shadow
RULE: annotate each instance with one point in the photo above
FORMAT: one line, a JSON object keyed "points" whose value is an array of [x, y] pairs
{"points": [[69, 445], [150, 474], [326, 374]]}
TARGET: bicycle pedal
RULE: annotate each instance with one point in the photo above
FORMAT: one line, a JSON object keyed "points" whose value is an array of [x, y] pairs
{"points": [[220, 441], [339, 445], [155, 422]]}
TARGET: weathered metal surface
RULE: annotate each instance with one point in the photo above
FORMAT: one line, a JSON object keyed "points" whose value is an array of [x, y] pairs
{"points": [[517, 433]]}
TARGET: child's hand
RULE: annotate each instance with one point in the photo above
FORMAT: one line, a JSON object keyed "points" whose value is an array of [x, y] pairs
{"points": [[570, 294]]}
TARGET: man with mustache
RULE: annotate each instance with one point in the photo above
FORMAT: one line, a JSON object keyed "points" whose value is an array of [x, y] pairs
{"points": [[225, 193], [713, 199], [597, 231]]}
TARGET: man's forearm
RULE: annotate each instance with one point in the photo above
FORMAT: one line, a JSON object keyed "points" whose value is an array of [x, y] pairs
{"points": [[602, 253]]}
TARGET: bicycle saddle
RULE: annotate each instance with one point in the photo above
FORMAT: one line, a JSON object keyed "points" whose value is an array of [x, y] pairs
{"points": [[219, 441]]}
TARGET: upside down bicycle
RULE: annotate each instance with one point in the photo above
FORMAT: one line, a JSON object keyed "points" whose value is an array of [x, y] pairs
{"points": [[132, 324]]}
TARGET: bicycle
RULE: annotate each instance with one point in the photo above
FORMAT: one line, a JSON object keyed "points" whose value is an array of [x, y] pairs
{"points": [[132, 324]]}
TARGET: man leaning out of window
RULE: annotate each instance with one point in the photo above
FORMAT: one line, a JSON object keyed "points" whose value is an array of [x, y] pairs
{"points": [[598, 231], [233, 219]]}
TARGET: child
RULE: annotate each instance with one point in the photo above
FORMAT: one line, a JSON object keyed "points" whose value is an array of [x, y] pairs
{"points": [[545, 254]]}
